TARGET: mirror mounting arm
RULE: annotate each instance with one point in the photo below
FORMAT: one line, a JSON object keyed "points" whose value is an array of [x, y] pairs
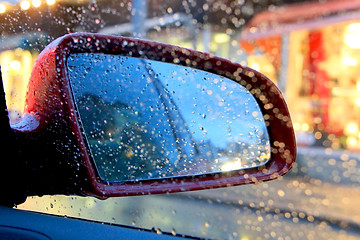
{"points": [[9, 174], [43, 169]]}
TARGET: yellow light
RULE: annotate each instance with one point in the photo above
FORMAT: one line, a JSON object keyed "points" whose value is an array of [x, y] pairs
{"points": [[221, 38], [50, 2], [15, 65], [25, 5], [305, 127], [352, 36], [351, 142], [2, 8], [357, 102], [253, 30], [36, 3], [352, 129], [318, 135], [297, 127]]}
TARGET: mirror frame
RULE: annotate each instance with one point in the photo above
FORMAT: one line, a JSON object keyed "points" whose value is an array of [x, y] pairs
{"points": [[50, 78]]}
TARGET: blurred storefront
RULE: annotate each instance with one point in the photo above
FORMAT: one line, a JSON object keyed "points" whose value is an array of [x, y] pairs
{"points": [[16, 66], [17, 57], [20, 45], [312, 51]]}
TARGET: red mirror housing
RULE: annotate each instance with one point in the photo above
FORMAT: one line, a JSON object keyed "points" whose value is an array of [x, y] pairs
{"points": [[51, 132]]}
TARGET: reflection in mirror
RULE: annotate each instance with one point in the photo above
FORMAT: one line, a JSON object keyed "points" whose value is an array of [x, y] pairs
{"points": [[145, 119]]}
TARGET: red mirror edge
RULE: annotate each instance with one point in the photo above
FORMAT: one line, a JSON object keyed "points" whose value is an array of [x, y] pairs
{"points": [[268, 96]]}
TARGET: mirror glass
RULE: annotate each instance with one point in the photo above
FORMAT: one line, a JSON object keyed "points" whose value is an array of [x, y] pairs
{"points": [[145, 119]]}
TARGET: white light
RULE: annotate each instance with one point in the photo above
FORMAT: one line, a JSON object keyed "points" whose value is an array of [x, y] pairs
{"points": [[255, 66], [352, 142], [352, 129], [352, 36], [36, 3], [15, 65], [2, 8], [305, 127], [50, 2], [25, 5], [231, 166], [349, 61]]}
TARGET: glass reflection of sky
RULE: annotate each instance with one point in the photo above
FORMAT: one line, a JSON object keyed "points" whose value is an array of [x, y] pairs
{"points": [[214, 108], [146, 119]]}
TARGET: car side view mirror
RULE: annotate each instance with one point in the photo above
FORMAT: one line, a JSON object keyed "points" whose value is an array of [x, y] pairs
{"points": [[112, 116]]}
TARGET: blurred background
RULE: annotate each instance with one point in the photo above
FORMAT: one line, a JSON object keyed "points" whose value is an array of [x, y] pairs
{"points": [[310, 49]]}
